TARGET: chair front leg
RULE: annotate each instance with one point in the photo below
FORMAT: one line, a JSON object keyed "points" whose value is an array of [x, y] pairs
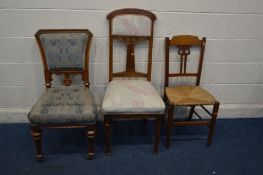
{"points": [[107, 134], [36, 133], [213, 122], [169, 125], [158, 122], [91, 133]]}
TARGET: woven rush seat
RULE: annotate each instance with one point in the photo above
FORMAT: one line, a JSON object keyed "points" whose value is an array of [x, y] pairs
{"points": [[64, 105], [189, 95]]}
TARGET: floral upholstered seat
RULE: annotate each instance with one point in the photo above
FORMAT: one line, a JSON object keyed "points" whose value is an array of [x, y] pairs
{"points": [[64, 105], [64, 52], [132, 96]]}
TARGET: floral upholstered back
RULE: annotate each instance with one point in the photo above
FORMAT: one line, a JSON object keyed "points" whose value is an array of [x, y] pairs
{"points": [[130, 24], [64, 50]]}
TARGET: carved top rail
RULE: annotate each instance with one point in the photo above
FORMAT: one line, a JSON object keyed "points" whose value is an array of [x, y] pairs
{"points": [[184, 43]]}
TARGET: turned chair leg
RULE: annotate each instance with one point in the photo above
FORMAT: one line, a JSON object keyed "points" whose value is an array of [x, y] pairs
{"points": [[191, 113], [36, 133], [212, 123], [91, 133], [107, 135], [158, 122], [169, 125]]}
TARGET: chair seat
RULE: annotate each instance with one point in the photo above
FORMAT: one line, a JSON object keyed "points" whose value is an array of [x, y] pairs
{"points": [[132, 96], [64, 105], [189, 95]]}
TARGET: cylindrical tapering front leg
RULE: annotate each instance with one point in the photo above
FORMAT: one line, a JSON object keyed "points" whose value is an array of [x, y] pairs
{"points": [[36, 133], [91, 133]]}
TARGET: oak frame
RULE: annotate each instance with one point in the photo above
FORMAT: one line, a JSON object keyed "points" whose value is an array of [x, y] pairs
{"points": [[36, 130], [131, 40], [184, 43]]}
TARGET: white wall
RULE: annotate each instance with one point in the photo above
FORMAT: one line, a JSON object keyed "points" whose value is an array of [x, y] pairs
{"points": [[233, 68]]}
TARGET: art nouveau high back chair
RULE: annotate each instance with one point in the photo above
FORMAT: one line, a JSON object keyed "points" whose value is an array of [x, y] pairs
{"points": [[131, 99], [187, 95], [64, 52]]}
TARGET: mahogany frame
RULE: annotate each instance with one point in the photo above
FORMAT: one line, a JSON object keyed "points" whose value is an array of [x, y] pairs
{"points": [[131, 40], [184, 43], [36, 130]]}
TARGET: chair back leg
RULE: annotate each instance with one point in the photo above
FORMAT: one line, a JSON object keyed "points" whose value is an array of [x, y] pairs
{"points": [[191, 113], [169, 125], [107, 134], [158, 122]]}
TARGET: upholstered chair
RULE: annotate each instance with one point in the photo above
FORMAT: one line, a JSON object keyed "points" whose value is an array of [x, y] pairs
{"points": [[133, 97], [188, 52], [66, 53]]}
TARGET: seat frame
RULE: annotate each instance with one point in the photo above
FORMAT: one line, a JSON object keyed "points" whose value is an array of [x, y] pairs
{"points": [[130, 41], [184, 43], [36, 130]]}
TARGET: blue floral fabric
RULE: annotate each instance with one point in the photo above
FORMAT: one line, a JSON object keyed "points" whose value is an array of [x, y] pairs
{"points": [[64, 50], [64, 105]]}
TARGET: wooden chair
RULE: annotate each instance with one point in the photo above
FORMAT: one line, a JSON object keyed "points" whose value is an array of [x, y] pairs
{"points": [[187, 95], [64, 52], [131, 99]]}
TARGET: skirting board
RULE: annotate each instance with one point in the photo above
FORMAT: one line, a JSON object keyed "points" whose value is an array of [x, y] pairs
{"points": [[19, 115]]}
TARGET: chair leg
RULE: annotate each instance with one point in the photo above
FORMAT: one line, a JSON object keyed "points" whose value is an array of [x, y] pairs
{"points": [[212, 123], [107, 135], [36, 133], [191, 113], [158, 122], [169, 125], [91, 133]]}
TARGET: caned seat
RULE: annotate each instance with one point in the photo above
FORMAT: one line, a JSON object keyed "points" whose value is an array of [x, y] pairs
{"points": [[64, 52], [190, 51], [135, 97], [189, 95]]}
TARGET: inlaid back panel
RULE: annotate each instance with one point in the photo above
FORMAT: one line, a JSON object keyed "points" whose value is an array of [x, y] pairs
{"points": [[130, 28]]}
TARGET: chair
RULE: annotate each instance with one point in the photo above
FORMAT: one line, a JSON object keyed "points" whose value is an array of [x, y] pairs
{"points": [[187, 95], [64, 52], [131, 98]]}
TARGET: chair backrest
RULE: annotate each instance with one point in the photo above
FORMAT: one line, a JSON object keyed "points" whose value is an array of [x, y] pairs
{"points": [[65, 51], [131, 26], [184, 44]]}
